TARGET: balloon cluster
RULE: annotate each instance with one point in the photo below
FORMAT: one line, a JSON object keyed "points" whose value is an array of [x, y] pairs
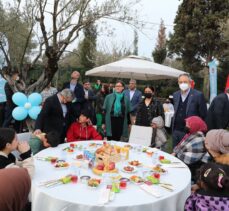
{"points": [[26, 106]]}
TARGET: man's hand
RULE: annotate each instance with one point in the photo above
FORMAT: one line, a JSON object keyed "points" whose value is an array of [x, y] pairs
{"points": [[23, 147]]}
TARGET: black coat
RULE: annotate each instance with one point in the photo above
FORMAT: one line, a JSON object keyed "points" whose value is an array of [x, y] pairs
{"points": [[51, 117], [218, 113], [145, 116], [77, 106]]}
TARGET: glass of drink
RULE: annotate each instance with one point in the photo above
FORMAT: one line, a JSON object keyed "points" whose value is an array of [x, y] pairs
{"points": [[53, 160], [123, 184], [74, 178]]}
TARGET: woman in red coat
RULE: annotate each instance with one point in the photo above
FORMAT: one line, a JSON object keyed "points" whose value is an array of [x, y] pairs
{"points": [[82, 130]]}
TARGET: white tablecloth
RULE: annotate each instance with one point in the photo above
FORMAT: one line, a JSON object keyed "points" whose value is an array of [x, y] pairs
{"points": [[71, 197], [168, 118]]}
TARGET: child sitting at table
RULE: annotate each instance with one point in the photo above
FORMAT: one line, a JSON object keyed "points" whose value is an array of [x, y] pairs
{"points": [[41, 141], [159, 138], [213, 190], [82, 130], [9, 143]]}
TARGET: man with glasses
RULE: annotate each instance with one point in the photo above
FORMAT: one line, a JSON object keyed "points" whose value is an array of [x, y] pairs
{"points": [[135, 97], [55, 114]]}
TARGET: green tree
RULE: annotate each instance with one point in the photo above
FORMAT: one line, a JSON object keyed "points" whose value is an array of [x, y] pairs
{"points": [[87, 48], [160, 52], [198, 34], [68, 19]]}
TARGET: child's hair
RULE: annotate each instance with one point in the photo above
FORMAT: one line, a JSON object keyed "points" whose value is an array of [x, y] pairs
{"points": [[85, 112], [6, 136], [214, 177], [53, 138]]}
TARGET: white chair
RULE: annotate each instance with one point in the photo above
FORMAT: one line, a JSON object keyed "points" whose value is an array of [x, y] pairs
{"points": [[141, 135], [24, 136]]}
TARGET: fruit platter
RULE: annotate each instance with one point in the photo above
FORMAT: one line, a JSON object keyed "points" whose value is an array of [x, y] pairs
{"points": [[154, 178], [106, 157], [163, 160], [93, 183], [61, 164], [158, 169], [135, 163], [69, 149], [129, 169], [101, 168], [136, 179]]}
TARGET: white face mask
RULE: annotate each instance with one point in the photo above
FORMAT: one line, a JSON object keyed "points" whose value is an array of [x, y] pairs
{"points": [[183, 86]]}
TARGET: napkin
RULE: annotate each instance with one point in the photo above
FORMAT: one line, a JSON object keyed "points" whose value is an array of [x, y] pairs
{"points": [[104, 196], [174, 165], [150, 190]]}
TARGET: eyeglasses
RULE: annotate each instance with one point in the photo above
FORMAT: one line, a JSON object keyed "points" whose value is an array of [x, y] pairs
{"points": [[118, 86]]}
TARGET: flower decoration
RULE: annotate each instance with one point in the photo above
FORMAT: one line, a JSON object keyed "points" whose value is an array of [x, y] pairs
{"points": [[26, 106]]}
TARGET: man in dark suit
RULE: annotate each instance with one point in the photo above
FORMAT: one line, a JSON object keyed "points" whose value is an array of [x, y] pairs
{"points": [[89, 101], [218, 112], [187, 102], [135, 97], [78, 91], [55, 114]]}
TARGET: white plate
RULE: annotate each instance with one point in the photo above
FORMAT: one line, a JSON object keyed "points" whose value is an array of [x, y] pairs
{"points": [[129, 172]]}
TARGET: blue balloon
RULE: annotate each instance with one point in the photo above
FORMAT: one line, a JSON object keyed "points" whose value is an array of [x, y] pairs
{"points": [[35, 99], [19, 98], [19, 113], [34, 111]]}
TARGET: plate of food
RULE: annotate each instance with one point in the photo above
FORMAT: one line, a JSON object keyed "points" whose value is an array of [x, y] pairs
{"points": [[136, 179], [93, 183], [129, 169], [163, 160], [69, 149], [61, 165], [159, 170], [128, 146], [135, 163], [79, 157]]}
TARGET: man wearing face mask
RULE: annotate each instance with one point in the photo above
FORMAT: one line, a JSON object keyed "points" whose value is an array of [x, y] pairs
{"points": [[187, 102]]}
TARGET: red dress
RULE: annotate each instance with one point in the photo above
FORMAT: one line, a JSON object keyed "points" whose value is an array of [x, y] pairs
{"points": [[77, 132]]}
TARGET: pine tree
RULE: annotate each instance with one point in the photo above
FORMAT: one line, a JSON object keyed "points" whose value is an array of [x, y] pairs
{"points": [[198, 32], [160, 52]]}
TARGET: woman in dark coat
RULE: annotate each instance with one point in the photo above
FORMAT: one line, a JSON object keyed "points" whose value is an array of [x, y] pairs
{"points": [[149, 108]]}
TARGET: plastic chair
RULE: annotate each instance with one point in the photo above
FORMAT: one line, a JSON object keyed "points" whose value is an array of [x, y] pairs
{"points": [[141, 135]]}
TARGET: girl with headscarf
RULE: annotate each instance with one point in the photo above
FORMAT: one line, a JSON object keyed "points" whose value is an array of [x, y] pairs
{"points": [[191, 149], [217, 144], [15, 187], [116, 108]]}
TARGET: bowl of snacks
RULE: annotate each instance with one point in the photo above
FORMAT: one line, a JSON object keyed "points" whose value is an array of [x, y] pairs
{"points": [[93, 183], [129, 169], [136, 180], [159, 169], [135, 163], [61, 164]]}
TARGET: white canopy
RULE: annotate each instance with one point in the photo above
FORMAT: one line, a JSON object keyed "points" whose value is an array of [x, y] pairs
{"points": [[135, 68]]}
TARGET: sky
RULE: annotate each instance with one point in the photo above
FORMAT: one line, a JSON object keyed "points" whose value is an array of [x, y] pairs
{"points": [[151, 11]]}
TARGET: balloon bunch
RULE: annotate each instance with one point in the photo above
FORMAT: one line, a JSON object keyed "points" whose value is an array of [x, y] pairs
{"points": [[26, 106]]}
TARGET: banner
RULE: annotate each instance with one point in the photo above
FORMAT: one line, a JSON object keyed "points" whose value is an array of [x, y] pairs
{"points": [[213, 79], [2, 90]]}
